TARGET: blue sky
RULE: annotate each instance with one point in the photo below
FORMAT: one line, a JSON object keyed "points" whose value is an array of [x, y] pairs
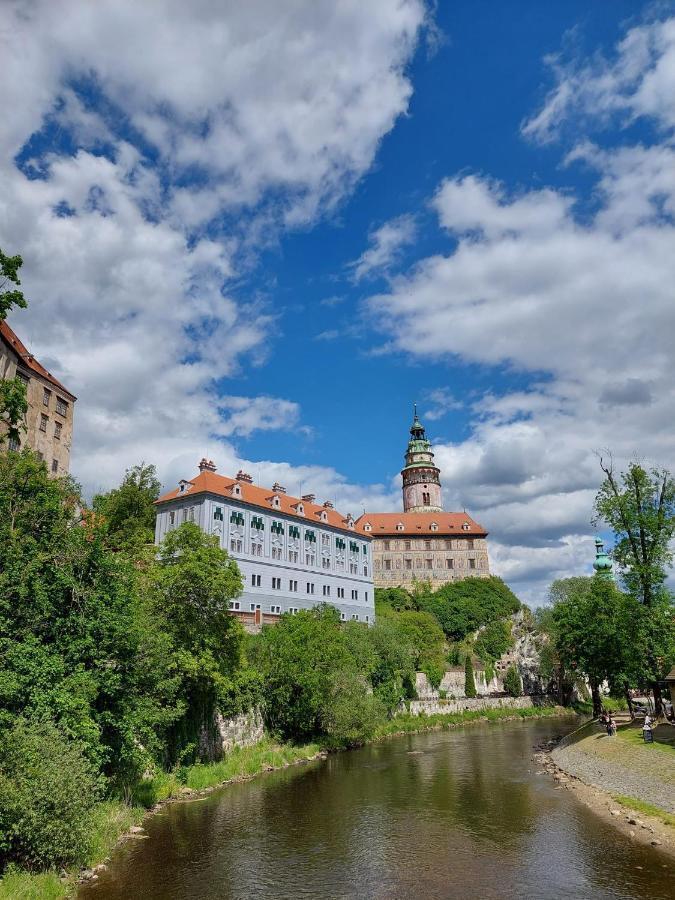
{"points": [[262, 233]]}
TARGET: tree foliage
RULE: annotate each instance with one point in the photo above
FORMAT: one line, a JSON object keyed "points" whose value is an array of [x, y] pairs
{"points": [[469, 682], [461, 607], [513, 683], [129, 510], [13, 409], [10, 295]]}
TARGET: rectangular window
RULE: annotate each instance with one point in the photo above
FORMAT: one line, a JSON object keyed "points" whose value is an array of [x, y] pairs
{"points": [[407, 545], [23, 377], [355, 595], [450, 563], [275, 609], [469, 545], [343, 617], [386, 545], [340, 544], [292, 585], [255, 580], [236, 518], [428, 563], [43, 422], [218, 514], [310, 559], [254, 606], [325, 540], [293, 531], [366, 602], [61, 406], [472, 563], [353, 568], [365, 570], [276, 552], [387, 565], [355, 617], [235, 545], [310, 537], [235, 604], [256, 549], [55, 465], [172, 517], [448, 545], [310, 587], [46, 396], [367, 618], [57, 431], [326, 590], [293, 556], [292, 610], [325, 562], [257, 523], [277, 527], [191, 515], [427, 545], [341, 593], [408, 563], [276, 584]]}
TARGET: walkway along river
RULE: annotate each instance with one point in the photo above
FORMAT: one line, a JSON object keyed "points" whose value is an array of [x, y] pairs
{"points": [[452, 814]]}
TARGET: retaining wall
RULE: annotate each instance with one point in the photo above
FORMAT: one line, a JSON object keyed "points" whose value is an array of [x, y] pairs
{"points": [[446, 707]]}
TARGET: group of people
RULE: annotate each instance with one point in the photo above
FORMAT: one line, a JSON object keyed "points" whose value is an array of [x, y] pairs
{"points": [[607, 719]]}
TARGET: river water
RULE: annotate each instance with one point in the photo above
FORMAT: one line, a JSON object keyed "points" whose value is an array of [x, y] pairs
{"points": [[455, 814]]}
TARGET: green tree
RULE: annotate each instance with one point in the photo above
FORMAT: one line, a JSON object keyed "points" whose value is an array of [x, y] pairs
{"points": [[9, 275], [13, 409], [639, 506], [421, 631], [129, 510], [351, 713], [513, 683], [493, 641], [461, 607], [469, 683]]}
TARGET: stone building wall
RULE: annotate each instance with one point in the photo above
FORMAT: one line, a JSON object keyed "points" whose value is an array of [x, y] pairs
{"points": [[446, 707], [401, 561], [453, 685]]}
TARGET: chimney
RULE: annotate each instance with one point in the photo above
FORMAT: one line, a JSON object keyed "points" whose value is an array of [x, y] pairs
{"points": [[309, 498], [244, 476], [328, 504], [278, 489], [207, 465]]}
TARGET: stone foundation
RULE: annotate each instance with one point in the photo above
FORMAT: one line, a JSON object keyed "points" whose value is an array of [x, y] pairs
{"points": [[446, 707], [243, 730], [453, 685]]}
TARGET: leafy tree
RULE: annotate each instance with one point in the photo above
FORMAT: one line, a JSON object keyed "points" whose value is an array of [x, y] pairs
{"points": [[9, 275], [393, 673], [469, 683], [129, 510], [639, 506], [351, 713], [396, 598], [421, 631], [513, 683], [47, 794], [13, 409], [461, 607], [493, 640]]}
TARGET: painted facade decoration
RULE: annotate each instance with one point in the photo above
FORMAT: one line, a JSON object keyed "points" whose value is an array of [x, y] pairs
{"points": [[292, 552], [49, 421], [424, 543]]}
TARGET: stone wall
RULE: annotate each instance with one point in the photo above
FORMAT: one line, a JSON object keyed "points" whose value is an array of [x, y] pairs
{"points": [[446, 707], [243, 730], [453, 685]]}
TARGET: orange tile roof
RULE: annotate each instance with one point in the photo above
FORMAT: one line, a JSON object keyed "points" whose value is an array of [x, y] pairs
{"points": [[252, 494], [28, 360], [420, 523]]}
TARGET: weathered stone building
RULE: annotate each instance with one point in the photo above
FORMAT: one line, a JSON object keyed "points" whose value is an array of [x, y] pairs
{"points": [[424, 543], [49, 421]]}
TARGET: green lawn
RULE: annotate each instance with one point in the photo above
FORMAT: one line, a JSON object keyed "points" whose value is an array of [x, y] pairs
{"points": [[664, 737], [647, 808]]}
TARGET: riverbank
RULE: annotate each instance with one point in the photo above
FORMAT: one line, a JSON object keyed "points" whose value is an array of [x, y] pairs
{"points": [[629, 783], [117, 822]]}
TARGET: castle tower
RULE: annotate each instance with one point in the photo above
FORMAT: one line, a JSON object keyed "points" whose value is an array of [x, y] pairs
{"points": [[421, 476]]}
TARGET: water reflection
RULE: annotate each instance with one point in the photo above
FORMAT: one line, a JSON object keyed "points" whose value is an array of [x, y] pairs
{"points": [[452, 814]]}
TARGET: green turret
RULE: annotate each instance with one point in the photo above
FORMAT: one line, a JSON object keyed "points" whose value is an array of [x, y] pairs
{"points": [[602, 564], [421, 476]]}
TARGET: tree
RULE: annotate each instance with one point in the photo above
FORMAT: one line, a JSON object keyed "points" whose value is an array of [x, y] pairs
{"points": [[461, 607], [513, 683], [639, 506], [469, 683], [9, 274], [13, 409], [129, 510]]}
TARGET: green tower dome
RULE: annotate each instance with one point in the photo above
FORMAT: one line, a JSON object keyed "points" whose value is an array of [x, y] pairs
{"points": [[603, 564]]}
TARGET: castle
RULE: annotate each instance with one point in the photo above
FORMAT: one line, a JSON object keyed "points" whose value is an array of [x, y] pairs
{"points": [[424, 543]]}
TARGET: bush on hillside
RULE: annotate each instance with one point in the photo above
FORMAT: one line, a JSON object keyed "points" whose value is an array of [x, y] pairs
{"points": [[469, 683], [494, 640], [350, 714], [513, 683], [461, 607], [47, 794]]}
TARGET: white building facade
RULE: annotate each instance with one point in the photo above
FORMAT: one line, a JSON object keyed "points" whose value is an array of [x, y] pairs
{"points": [[292, 552]]}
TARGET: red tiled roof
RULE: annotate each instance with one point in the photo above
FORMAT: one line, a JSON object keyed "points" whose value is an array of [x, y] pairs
{"points": [[252, 494], [420, 523], [28, 360]]}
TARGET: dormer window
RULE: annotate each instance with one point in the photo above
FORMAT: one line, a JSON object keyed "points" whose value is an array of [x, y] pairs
{"points": [[300, 507], [183, 486], [236, 490], [434, 526], [466, 527], [276, 502], [323, 516], [368, 527], [400, 526]]}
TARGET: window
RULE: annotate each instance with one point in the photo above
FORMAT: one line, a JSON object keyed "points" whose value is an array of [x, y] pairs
{"points": [[434, 526], [365, 570], [257, 523], [386, 545], [46, 396], [400, 526], [387, 565], [466, 527], [428, 563], [40, 454], [23, 377], [426, 499], [326, 590], [172, 517], [277, 527], [191, 514], [310, 587], [15, 444], [353, 568], [325, 540], [340, 544], [276, 552], [61, 406], [310, 537], [355, 617], [55, 465], [293, 556], [218, 514], [448, 545], [472, 563], [292, 585], [343, 617], [355, 595], [236, 545], [367, 618], [427, 545], [236, 518], [408, 563], [276, 584], [275, 609], [43, 422], [256, 549], [235, 604], [310, 558], [366, 602], [255, 581], [450, 564], [407, 545], [341, 593], [292, 610], [469, 544], [254, 606], [325, 562], [293, 531]]}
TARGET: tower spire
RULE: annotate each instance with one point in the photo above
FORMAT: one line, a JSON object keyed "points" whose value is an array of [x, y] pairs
{"points": [[421, 476], [602, 564]]}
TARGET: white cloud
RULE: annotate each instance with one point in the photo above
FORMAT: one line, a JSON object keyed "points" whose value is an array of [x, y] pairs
{"points": [[440, 402], [262, 115], [581, 303], [387, 241]]}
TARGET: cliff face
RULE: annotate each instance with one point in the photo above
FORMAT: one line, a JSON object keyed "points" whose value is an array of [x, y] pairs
{"points": [[524, 655]]}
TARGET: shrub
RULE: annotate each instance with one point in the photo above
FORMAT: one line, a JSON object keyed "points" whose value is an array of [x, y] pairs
{"points": [[47, 796], [351, 714], [469, 683], [513, 684]]}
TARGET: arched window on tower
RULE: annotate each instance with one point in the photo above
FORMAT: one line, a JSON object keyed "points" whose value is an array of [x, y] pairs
{"points": [[426, 498]]}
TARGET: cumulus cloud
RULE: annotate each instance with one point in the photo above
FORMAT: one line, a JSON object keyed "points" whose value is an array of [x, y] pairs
{"points": [[386, 243], [581, 305], [440, 402], [141, 157]]}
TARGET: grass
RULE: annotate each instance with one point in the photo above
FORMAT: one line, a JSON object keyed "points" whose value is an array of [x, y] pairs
{"points": [[18, 885], [611, 704], [408, 724], [646, 808], [664, 737]]}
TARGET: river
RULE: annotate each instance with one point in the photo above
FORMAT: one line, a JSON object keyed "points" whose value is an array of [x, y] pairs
{"points": [[454, 814]]}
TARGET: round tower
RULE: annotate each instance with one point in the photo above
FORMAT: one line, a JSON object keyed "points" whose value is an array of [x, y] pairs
{"points": [[421, 476], [602, 564]]}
